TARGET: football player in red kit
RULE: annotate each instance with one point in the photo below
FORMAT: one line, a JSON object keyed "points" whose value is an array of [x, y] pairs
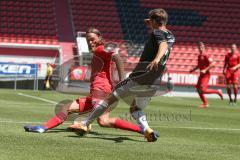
{"points": [[205, 63], [101, 85], [230, 70]]}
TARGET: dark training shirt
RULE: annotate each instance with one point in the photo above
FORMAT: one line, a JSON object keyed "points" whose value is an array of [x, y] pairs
{"points": [[152, 45]]}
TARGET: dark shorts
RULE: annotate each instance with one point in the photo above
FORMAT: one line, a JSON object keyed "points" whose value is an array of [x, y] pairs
{"points": [[142, 82]]}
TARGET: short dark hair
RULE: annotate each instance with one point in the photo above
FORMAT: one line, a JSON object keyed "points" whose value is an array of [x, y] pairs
{"points": [[158, 16]]}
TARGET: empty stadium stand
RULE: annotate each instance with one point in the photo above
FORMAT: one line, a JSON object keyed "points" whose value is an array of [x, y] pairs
{"points": [[28, 22], [100, 14], [213, 21]]}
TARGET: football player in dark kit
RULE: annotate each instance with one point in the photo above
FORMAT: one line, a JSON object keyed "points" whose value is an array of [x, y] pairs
{"points": [[139, 86]]}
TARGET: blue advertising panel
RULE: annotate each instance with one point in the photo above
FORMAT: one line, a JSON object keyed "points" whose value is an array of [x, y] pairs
{"points": [[17, 68]]}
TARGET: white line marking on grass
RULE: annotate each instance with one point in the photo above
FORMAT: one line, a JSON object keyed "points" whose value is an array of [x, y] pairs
{"points": [[19, 122], [25, 122], [193, 128], [201, 128], [38, 98]]}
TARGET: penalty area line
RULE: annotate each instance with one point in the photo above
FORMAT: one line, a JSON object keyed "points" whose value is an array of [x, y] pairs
{"points": [[38, 98]]}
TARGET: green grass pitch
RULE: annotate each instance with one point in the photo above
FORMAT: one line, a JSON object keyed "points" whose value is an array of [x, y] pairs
{"points": [[187, 133]]}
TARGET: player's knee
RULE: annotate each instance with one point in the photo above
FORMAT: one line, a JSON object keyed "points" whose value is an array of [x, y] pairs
{"points": [[64, 109], [103, 122], [203, 89], [71, 108]]}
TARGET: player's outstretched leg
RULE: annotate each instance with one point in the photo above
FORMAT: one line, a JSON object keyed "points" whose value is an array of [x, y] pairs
{"points": [[115, 122], [220, 94], [203, 98], [212, 91], [137, 113], [106, 121], [98, 110], [55, 121], [52, 123], [141, 119]]}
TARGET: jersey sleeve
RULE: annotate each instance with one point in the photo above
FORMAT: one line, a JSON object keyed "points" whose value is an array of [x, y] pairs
{"points": [[160, 36], [103, 53]]}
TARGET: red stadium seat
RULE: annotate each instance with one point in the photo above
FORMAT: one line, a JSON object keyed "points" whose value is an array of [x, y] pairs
{"points": [[27, 17]]}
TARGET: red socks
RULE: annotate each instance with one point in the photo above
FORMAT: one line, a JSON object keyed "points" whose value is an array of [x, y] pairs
{"points": [[125, 125], [56, 120]]}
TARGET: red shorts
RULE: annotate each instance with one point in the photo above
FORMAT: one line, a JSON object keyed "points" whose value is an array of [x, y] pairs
{"points": [[86, 104], [231, 77], [203, 81]]}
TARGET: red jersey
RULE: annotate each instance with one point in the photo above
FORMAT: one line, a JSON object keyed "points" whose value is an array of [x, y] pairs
{"points": [[101, 70], [204, 61], [232, 60]]}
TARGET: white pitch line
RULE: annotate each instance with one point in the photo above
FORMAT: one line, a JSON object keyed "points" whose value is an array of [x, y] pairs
{"points": [[38, 98], [192, 128], [14, 122], [201, 128]]}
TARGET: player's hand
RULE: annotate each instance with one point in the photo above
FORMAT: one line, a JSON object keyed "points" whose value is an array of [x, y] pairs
{"points": [[203, 71], [153, 64], [233, 69]]}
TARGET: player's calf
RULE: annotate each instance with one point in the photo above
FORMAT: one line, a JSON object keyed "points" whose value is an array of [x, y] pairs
{"points": [[220, 94]]}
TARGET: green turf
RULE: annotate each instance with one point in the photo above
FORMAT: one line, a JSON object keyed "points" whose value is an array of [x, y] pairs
{"points": [[187, 133]]}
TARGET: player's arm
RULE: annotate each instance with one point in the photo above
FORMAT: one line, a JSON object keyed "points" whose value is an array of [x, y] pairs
{"points": [[163, 47], [119, 65], [211, 65], [225, 66], [236, 67], [194, 69]]}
